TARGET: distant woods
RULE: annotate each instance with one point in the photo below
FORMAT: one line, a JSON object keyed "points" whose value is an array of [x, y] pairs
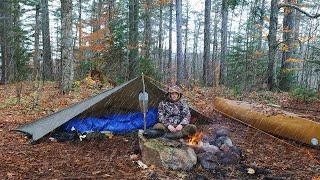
{"points": [[246, 45]]}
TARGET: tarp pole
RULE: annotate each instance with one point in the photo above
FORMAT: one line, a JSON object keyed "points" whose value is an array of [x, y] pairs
{"points": [[144, 111]]}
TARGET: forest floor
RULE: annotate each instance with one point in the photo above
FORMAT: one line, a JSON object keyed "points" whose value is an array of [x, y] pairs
{"points": [[112, 158]]}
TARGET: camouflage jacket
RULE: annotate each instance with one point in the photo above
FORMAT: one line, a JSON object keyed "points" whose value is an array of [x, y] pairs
{"points": [[174, 113]]}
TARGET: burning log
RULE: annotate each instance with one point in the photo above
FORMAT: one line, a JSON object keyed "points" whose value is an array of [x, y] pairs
{"points": [[195, 139], [199, 146], [215, 151], [221, 142]]}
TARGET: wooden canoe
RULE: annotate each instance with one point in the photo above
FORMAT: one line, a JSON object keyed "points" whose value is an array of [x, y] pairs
{"points": [[284, 124]]}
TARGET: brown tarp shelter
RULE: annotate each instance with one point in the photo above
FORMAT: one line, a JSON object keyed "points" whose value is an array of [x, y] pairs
{"points": [[121, 99]]}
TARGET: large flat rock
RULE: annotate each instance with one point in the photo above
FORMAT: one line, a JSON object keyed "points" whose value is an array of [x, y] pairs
{"points": [[166, 153]]}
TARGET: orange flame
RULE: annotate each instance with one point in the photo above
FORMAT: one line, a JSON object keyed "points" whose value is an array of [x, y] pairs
{"points": [[195, 139]]}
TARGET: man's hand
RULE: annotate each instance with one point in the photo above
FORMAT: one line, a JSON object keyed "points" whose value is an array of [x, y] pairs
{"points": [[179, 127], [171, 128]]}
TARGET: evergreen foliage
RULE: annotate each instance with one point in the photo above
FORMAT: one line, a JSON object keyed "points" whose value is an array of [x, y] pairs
{"points": [[304, 94]]}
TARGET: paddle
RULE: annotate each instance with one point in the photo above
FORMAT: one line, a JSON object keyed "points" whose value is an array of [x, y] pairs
{"points": [[143, 102]]}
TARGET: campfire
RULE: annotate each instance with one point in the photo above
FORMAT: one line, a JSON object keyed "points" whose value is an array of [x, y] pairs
{"points": [[197, 143], [209, 149], [195, 139]]}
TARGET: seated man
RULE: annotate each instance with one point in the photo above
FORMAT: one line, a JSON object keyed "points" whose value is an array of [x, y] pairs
{"points": [[174, 116]]}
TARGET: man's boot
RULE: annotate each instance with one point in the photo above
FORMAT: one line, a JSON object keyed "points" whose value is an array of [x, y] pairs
{"points": [[156, 131], [189, 130], [153, 133], [174, 136]]}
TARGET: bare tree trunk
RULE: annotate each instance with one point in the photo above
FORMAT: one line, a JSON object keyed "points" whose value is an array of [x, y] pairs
{"points": [[170, 40], [180, 70], [306, 57], [36, 57], [133, 38], [246, 47], [185, 66], [6, 42], [111, 8], [16, 39], [215, 78], [67, 54], [272, 42], [206, 57], [195, 50], [3, 63], [93, 15], [160, 40], [296, 42], [147, 29], [97, 23], [47, 59], [17, 44], [11, 71], [59, 51], [97, 15], [297, 27], [80, 27], [224, 41], [286, 74], [229, 29], [288, 36], [3, 41], [262, 13]]}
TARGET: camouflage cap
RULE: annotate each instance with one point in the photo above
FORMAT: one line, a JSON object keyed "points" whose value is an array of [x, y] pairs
{"points": [[174, 88]]}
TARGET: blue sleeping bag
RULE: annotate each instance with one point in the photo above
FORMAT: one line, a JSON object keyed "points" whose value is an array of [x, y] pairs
{"points": [[116, 123]]}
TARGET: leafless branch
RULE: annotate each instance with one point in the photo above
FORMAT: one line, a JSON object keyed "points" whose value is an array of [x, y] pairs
{"points": [[298, 9]]}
